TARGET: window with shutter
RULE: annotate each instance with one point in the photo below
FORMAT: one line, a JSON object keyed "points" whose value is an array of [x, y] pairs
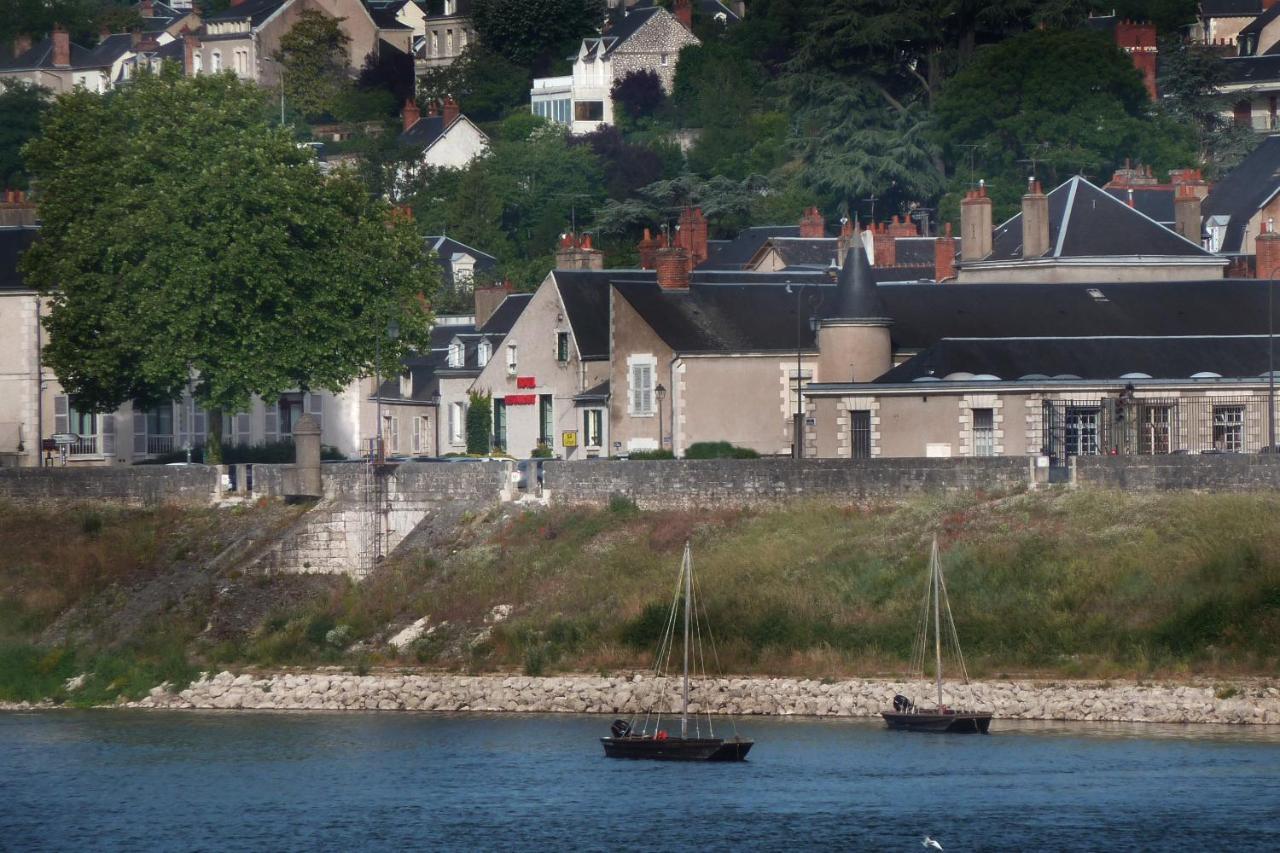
{"points": [[417, 435], [139, 431], [109, 434], [642, 389], [61, 405]]}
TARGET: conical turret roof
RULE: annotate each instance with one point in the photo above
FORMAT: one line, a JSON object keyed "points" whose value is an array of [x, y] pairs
{"points": [[858, 295]]}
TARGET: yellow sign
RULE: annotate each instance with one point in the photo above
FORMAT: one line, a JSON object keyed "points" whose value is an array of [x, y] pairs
{"points": [[569, 438]]}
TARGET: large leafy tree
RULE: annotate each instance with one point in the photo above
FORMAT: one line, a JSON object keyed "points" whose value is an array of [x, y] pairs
{"points": [[21, 106], [536, 34], [1190, 77], [486, 84], [187, 240], [317, 74], [1068, 100]]}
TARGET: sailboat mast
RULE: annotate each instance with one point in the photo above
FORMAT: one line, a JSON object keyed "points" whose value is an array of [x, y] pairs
{"points": [[936, 567], [688, 594]]}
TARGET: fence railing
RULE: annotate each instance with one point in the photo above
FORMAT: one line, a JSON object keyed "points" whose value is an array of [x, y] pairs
{"points": [[159, 444], [85, 445]]}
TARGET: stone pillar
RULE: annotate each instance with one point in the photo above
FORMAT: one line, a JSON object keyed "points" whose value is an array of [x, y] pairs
{"points": [[1035, 221], [1186, 213], [306, 459], [975, 225]]}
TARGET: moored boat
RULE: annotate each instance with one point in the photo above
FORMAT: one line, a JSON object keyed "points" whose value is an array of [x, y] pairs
{"points": [[941, 718], [643, 736]]}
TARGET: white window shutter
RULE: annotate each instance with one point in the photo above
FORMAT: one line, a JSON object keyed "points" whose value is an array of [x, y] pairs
{"points": [[315, 406], [139, 432], [109, 434], [646, 386], [242, 428], [61, 407]]}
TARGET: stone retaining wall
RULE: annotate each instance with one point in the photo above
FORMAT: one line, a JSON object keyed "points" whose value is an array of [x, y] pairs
{"points": [[1217, 472], [1250, 703], [687, 483], [137, 485]]}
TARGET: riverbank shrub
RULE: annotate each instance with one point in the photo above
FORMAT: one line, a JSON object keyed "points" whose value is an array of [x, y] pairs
{"points": [[719, 450]]}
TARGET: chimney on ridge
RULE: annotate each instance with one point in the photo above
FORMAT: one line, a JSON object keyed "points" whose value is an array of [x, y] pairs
{"points": [[61, 47], [1035, 221], [691, 234], [647, 247], [450, 110], [944, 255], [410, 113], [683, 10], [1186, 213], [975, 224], [487, 300], [812, 225], [673, 268], [885, 251], [1267, 248]]}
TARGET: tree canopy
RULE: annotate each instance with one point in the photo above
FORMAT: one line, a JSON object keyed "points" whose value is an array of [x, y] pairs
{"points": [[187, 240], [316, 69], [21, 106], [536, 34]]}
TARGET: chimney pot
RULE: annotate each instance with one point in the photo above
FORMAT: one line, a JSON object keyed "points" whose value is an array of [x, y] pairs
{"points": [[450, 110], [975, 225], [944, 255], [1035, 222], [673, 267], [410, 114]]}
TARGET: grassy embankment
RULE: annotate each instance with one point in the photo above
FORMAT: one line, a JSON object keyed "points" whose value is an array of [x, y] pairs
{"points": [[1061, 584]]}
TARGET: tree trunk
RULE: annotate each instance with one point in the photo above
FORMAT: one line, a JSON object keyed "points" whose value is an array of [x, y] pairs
{"points": [[213, 439]]}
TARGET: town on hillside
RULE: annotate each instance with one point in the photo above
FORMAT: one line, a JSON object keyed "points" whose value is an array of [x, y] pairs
{"points": [[636, 229]]}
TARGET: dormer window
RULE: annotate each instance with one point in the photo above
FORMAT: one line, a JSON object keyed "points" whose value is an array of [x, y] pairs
{"points": [[456, 354], [406, 386], [483, 352], [451, 7]]}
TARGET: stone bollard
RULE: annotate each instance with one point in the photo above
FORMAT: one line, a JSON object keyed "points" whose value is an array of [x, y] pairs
{"points": [[306, 458]]}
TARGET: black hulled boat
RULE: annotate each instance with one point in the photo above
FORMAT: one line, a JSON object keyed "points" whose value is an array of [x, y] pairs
{"points": [[905, 715], [642, 736]]}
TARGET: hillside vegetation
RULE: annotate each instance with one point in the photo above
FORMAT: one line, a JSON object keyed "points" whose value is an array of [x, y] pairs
{"points": [[1056, 584]]}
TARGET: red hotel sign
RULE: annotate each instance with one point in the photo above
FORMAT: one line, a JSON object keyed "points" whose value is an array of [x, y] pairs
{"points": [[526, 382], [520, 399]]}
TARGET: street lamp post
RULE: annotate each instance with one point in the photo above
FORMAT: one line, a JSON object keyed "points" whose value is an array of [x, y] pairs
{"points": [[661, 394]]}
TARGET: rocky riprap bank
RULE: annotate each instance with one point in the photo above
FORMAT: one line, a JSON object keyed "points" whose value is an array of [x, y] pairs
{"points": [[1241, 703]]}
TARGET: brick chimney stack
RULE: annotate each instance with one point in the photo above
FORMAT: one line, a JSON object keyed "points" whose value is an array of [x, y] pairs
{"points": [[1138, 40], [1193, 179], [812, 225], [61, 47], [1268, 251], [410, 114], [1186, 213], [450, 110], [673, 268], [975, 225], [189, 45], [885, 245], [692, 234], [683, 10], [1035, 221], [944, 255], [647, 248], [487, 300]]}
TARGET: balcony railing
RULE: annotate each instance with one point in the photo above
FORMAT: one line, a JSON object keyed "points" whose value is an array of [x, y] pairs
{"points": [[86, 445], [158, 444]]}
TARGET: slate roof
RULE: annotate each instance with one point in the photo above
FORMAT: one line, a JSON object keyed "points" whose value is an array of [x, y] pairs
{"points": [[384, 15], [1087, 358], [1255, 26], [40, 55], [1155, 202], [622, 28], [859, 297], [14, 240], [594, 394], [1244, 191], [916, 251], [736, 253], [1252, 69], [585, 296], [256, 11], [506, 314], [1086, 222], [818, 253], [1230, 8], [426, 130], [446, 247]]}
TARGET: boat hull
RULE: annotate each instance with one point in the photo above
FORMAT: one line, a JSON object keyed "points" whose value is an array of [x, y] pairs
{"points": [[677, 749], [951, 722]]}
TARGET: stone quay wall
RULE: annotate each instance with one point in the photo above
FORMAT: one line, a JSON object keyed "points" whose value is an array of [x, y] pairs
{"points": [[138, 485], [1216, 472], [1245, 703], [690, 483]]}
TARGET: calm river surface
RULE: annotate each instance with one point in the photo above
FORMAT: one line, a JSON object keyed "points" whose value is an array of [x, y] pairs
{"points": [[249, 781]]}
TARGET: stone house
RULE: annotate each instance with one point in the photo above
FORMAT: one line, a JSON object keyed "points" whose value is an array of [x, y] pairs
{"points": [[1239, 207], [446, 32], [244, 37], [549, 383], [644, 39], [60, 65]]}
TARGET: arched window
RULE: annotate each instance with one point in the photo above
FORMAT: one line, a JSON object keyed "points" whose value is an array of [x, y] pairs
{"points": [[215, 62]]}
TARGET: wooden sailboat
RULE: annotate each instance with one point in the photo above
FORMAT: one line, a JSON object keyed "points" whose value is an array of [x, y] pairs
{"points": [[905, 715], [643, 736]]}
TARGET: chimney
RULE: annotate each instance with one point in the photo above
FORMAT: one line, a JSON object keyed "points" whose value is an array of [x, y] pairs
{"points": [[673, 268], [1186, 213], [61, 47], [16, 210], [885, 252], [1191, 178], [944, 255], [487, 300], [21, 44], [189, 45], [846, 240], [450, 111], [410, 114], [975, 225], [647, 248], [589, 257], [692, 234], [683, 10], [432, 109], [812, 225], [1035, 221], [1267, 249], [104, 33], [146, 9], [567, 252]]}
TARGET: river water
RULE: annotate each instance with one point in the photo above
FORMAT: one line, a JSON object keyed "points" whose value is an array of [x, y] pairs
{"points": [[116, 780]]}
